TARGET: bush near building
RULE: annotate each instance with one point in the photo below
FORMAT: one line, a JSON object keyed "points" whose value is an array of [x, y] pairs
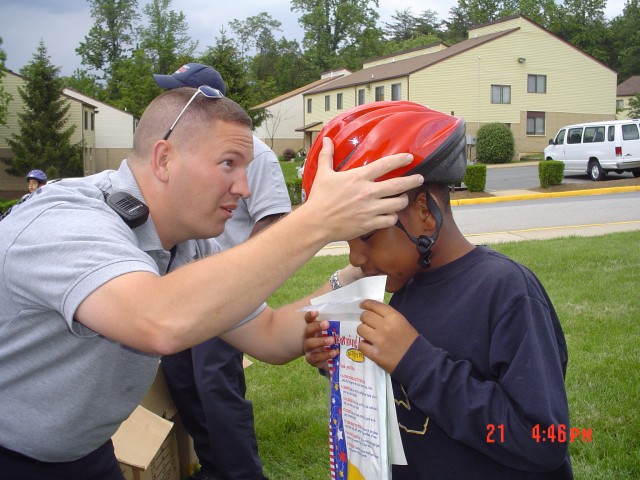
{"points": [[495, 143], [550, 172], [476, 177]]}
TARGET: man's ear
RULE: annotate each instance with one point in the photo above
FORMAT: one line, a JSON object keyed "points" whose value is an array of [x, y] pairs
{"points": [[160, 157]]}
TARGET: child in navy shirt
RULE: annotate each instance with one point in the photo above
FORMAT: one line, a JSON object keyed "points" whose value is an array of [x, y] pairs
{"points": [[474, 347]]}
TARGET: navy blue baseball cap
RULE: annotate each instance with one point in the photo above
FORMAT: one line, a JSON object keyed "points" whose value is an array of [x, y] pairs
{"points": [[192, 75]]}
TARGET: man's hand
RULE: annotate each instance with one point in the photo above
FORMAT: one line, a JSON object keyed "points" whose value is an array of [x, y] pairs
{"points": [[387, 335], [352, 203]]}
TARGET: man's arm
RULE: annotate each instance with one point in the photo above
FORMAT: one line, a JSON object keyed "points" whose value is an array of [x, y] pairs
{"points": [[168, 314], [265, 222], [276, 336]]}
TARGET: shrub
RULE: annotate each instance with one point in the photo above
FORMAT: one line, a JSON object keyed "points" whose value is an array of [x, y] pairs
{"points": [[294, 187], [550, 172], [7, 204], [288, 154], [476, 177], [495, 143]]}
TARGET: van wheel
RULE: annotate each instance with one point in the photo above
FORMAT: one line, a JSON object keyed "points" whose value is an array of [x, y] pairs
{"points": [[596, 173], [636, 172]]}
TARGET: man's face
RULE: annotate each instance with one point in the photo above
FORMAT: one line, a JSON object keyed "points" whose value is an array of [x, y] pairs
{"points": [[208, 178], [32, 184]]}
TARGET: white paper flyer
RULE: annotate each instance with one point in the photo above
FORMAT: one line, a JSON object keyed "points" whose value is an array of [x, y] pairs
{"points": [[364, 439]]}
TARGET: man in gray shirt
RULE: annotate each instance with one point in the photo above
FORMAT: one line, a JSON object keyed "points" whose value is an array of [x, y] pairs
{"points": [[207, 381], [87, 305]]}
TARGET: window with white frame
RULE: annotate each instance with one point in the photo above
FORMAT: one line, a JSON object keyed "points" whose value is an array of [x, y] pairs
{"points": [[308, 105], [339, 101], [536, 84], [396, 91], [327, 103], [500, 93], [535, 123], [619, 105], [380, 93], [361, 96]]}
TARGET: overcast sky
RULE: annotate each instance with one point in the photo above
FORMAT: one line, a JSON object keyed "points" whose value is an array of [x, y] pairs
{"points": [[63, 24]]}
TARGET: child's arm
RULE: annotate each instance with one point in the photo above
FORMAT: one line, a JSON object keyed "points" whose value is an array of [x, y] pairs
{"points": [[386, 333]]}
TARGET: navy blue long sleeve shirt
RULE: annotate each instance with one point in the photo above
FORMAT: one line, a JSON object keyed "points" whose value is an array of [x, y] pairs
{"points": [[488, 366]]}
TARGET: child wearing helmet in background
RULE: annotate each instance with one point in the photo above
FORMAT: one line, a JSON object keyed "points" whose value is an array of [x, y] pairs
{"points": [[474, 347], [35, 179]]}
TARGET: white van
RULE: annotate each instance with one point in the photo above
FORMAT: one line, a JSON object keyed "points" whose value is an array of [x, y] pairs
{"points": [[597, 148]]}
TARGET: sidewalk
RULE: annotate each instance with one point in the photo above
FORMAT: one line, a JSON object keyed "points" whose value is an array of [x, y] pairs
{"points": [[342, 248]]}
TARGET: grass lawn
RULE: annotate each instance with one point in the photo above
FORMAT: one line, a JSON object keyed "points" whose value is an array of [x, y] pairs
{"points": [[289, 170], [593, 282]]}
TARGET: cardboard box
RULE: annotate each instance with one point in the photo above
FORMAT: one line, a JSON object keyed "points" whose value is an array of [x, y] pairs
{"points": [[152, 443], [146, 447]]}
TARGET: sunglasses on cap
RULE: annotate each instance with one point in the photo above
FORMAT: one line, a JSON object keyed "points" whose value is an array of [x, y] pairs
{"points": [[205, 90]]}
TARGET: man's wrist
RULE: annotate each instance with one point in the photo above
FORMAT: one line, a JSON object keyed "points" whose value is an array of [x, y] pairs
{"points": [[334, 281]]}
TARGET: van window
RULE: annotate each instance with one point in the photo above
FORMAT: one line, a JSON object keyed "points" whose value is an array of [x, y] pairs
{"points": [[560, 137], [611, 134], [593, 134], [630, 132], [575, 135]]}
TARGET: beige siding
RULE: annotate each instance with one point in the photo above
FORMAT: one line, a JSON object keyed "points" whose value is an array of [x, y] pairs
{"points": [[279, 131], [462, 84], [349, 98], [403, 55], [624, 113], [114, 128], [11, 83], [496, 27]]}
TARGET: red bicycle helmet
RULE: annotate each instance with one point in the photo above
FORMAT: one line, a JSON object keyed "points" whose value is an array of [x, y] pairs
{"points": [[366, 133]]}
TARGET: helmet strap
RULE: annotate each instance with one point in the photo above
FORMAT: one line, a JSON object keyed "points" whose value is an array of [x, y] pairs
{"points": [[424, 244]]}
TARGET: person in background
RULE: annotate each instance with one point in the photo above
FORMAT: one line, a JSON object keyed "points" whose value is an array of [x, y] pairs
{"points": [[207, 381], [474, 347], [35, 180]]}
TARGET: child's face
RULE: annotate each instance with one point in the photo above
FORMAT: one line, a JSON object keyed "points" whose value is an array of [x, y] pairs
{"points": [[32, 185], [388, 252]]}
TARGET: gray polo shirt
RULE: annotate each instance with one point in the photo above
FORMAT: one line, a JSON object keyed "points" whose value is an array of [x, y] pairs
{"points": [[64, 389]]}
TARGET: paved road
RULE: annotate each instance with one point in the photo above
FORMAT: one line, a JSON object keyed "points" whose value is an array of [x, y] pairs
{"points": [[525, 176], [526, 215]]}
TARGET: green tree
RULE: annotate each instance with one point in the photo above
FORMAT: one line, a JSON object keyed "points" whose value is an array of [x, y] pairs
{"points": [[255, 34], [85, 83], [406, 26], [583, 24], [110, 39], [626, 40], [226, 57], [137, 87], [44, 141], [164, 38], [543, 12], [292, 68], [392, 47], [634, 106], [5, 97], [331, 26]]}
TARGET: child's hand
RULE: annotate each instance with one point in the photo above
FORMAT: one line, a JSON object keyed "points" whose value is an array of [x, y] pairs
{"points": [[315, 344], [387, 334]]}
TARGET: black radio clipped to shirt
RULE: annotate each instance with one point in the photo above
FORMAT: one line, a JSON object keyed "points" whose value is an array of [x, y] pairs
{"points": [[129, 208]]}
